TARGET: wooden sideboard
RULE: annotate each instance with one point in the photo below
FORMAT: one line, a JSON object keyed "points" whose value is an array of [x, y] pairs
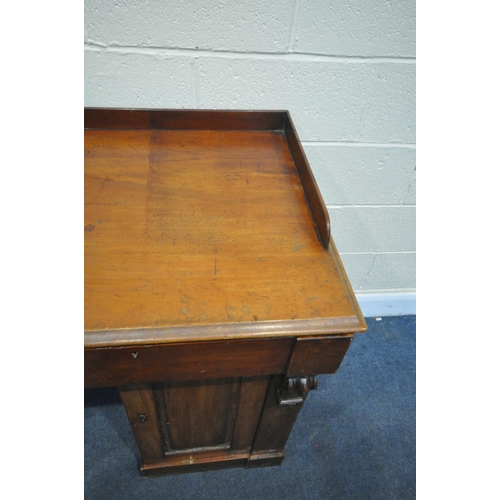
{"points": [[214, 294]]}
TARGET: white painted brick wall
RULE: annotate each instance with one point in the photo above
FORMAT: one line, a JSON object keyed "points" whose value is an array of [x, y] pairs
{"points": [[232, 25], [359, 228], [370, 102], [356, 27], [344, 68], [134, 80], [374, 175]]}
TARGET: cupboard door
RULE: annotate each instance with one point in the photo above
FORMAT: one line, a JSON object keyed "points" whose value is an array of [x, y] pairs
{"points": [[176, 424]]}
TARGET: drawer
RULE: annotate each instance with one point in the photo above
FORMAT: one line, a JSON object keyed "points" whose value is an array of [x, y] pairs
{"points": [[313, 356], [116, 366]]}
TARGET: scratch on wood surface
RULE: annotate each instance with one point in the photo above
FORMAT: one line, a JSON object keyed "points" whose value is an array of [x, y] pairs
{"points": [[103, 182], [138, 153], [215, 261], [255, 294], [153, 171], [229, 315]]}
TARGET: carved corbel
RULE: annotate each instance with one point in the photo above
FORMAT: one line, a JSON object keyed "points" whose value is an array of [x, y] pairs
{"points": [[295, 389]]}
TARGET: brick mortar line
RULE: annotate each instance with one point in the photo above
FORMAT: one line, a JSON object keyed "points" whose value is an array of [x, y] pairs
{"points": [[293, 29], [378, 253], [228, 54], [412, 205], [363, 280], [394, 145]]}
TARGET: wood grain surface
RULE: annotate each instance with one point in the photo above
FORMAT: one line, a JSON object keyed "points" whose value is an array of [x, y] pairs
{"points": [[208, 231], [311, 190], [113, 366], [210, 276], [183, 119], [312, 356]]}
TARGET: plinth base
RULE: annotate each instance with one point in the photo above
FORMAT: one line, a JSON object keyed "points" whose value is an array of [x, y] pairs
{"points": [[200, 462]]}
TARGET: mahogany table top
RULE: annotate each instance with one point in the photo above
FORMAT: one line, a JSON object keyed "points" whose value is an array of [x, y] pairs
{"points": [[199, 229]]}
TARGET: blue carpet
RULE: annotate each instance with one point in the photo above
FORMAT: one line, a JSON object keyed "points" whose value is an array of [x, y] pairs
{"points": [[354, 438]]}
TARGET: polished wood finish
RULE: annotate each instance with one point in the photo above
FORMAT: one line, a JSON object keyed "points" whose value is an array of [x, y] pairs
{"points": [[185, 361], [276, 421], [210, 424], [318, 355], [295, 389], [140, 406], [178, 215], [316, 204], [200, 462], [214, 293], [253, 392], [199, 119], [178, 424], [229, 331]]}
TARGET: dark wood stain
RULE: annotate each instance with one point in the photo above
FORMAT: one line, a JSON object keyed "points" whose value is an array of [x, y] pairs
{"points": [[211, 282], [315, 201], [141, 411], [186, 361], [319, 355], [202, 424], [276, 421]]}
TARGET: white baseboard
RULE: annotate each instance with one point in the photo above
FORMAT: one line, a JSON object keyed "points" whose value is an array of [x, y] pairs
{"points": [[387, 304]]}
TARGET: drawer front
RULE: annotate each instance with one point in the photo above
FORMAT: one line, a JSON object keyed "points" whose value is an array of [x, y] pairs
{"points": [[313, 356], [116, 366]]}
